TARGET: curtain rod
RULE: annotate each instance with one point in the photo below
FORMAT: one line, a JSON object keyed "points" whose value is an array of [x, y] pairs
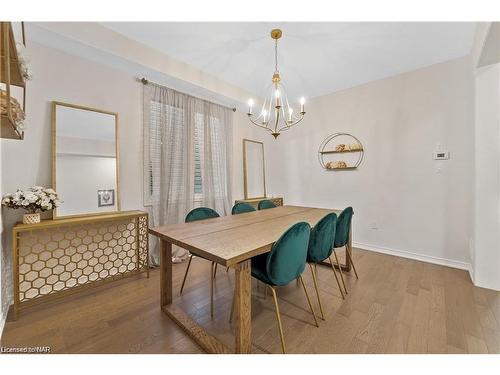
{"points": [[144, 81]]}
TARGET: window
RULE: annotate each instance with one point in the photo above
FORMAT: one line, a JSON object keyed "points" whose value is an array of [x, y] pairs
{"points": [[175, 127], [187, 153]]}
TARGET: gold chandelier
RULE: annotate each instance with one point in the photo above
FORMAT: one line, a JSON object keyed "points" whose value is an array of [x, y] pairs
{"points": [[276, 115]]}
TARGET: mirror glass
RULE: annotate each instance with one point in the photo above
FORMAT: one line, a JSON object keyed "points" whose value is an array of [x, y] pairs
{"points": [[85, 160], [254, 169]]}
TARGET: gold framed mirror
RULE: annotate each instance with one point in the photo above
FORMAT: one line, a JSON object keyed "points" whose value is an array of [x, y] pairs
{"points": [[85, 160], [254, 169]]}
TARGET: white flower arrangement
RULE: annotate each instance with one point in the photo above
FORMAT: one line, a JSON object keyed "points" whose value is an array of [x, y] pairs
{"points": [[33, 200]]}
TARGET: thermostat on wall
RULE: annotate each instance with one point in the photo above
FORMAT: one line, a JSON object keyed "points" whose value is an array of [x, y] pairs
{"points": [[441, 155]]}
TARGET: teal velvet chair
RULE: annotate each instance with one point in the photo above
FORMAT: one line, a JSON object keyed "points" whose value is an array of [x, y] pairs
{"points": [[265, 204], [321, 248], [343, 233], [202, 213], [283, 264], [241, 207]]}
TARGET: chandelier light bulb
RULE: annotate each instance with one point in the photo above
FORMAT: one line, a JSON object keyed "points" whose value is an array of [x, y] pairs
{"points": [[250, 106], [302, 102], [277, 94], [290, 111], [264, 114]]}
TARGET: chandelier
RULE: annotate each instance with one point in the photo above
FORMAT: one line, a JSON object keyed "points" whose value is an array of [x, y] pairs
{"points": [[276, 114]]}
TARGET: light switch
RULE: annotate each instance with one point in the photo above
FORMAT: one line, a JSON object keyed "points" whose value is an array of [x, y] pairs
{"points": [[441, 155]]}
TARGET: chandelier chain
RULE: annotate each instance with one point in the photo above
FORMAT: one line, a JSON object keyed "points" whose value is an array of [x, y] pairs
{"points": [[276, 55]]}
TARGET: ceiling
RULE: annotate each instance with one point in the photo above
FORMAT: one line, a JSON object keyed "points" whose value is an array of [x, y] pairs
{"points": [[314, 58]]}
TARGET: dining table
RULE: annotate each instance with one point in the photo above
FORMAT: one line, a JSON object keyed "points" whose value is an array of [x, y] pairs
{"points": [[230, 241]]}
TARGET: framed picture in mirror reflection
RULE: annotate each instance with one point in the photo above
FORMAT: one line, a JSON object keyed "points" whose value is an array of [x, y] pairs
{"points": [[105, 198]]}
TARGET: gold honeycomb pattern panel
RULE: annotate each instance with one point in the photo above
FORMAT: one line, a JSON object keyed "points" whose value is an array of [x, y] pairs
{"points": [[62, 257]]}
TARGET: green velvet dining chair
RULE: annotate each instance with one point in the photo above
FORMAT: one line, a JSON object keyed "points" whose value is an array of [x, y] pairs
{"points": [[320, 248], [283, 264], [265, 204], [202, 213], [343, 233], [242, 207]]}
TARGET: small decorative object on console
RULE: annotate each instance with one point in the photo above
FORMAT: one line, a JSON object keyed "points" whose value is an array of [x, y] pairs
{"points": [[34, 200]]}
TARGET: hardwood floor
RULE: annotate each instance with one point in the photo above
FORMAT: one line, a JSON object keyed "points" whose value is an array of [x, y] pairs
{"points": [[397, 306]]}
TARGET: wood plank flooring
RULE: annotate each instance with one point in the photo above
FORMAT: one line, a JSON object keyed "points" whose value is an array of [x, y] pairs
{"points": [[397, 306]]}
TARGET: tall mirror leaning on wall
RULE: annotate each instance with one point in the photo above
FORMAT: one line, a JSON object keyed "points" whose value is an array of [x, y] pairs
{"points": [[85, 160], [254, 173]]}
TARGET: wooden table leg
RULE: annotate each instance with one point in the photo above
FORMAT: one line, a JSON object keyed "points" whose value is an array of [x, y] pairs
{"points": [[243, 308], [165, 273]]}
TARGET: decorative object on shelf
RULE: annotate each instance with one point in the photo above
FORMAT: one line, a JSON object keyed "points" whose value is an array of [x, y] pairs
{"points": [[341, 143], [24, 62], [16, 112], [55, 258], [34, 200], [336, 164], [276, 115], [12, 73]]}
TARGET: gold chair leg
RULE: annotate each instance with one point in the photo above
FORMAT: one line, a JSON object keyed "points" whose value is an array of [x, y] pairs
{"points": [[278, 318], [313, 271], [187, 269], [227, 269], [340, 270], [347, 251], [309, 301], [336, 278], [212, 272]]}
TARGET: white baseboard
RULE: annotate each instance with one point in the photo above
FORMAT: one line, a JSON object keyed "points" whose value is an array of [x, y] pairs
{"points": [[471, 273], [421, 257]]}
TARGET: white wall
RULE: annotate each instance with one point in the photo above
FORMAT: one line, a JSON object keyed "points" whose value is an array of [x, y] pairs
{"points": [[63, 77], [486, 260], [418, 205], [484, 65]]}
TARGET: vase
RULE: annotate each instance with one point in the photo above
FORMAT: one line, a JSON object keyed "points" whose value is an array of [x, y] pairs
{"points": [[31, 218]]}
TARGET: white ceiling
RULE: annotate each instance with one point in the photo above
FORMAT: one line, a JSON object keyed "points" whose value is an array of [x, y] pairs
{"points": [[314, 58]]}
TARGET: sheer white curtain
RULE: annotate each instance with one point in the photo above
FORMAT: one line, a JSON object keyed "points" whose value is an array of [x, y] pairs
{"points": [[187, 158]]}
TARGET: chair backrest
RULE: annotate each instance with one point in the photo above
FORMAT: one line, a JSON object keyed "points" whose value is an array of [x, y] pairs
{"points": [[343, 227], [242, 207], [266, 203], [321, 239], [200, 213], [287, 258]]}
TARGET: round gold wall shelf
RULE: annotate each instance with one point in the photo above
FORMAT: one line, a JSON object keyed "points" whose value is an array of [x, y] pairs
{"points": [[341, 151]]}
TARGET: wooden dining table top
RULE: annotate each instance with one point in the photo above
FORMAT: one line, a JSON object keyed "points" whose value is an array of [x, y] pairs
{"points": [[232, 239]]}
